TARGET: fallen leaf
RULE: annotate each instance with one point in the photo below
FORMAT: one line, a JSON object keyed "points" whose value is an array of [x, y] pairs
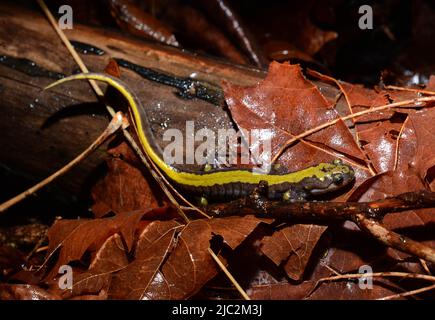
{"points": [[359, 96], [292, 246], [281, 291], [414, 155], [110, 258], [430, 84], [153, 246], [190, 265], [234, 229], [380, 143], [73, 237], [288, 104], [123, 189], [423, 123], [25, 292], [113, 69]]}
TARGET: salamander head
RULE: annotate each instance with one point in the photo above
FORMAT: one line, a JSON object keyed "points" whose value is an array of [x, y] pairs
{"points": [[330, 177]]}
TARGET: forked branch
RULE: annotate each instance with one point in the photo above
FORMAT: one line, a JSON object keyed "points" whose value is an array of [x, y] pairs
{"points": [[366, 215]]}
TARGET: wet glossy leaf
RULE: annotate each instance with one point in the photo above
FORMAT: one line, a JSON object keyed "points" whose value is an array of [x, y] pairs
{"points": [[111, 257], [288, 104], [189, 266], [153, 246], [380, 144]]}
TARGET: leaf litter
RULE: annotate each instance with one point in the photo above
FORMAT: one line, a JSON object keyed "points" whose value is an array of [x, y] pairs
{"points": [[137, 248]]}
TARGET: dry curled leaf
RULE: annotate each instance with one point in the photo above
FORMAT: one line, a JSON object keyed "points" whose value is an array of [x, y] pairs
{"points": [[123, 189], [110, 257], [190, 265], [74, 237], [292, 247]]}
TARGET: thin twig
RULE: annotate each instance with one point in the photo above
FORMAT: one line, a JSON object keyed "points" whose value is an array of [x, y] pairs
{"points": [[423, 91], [229, 275], [369, 275], [398, 140], [408, 293], [41, 249], [113, 126], [403, 275], [394, 274], [73, 52], [331, 269], [349, 106], [425, 267], [395, 240], [37, 248]]}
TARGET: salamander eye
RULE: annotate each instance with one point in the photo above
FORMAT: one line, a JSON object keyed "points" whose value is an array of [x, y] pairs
{"points": [[337, 178]]}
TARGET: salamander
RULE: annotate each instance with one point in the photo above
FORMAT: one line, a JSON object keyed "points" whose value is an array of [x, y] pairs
{"points": [[228, 183]]}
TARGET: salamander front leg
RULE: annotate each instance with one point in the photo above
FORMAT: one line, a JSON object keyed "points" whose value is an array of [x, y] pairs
{"points": [[260, 191]]}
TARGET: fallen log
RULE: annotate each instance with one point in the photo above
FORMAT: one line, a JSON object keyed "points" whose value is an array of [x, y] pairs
{"points": [[43, 130]]}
